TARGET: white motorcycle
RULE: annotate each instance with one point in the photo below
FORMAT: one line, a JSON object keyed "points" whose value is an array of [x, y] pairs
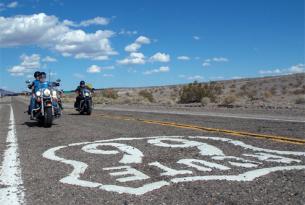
{"points": [[47, 104]]}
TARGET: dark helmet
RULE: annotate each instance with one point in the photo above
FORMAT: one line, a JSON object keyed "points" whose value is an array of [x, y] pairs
{"points": [[42, 74], [36, 74], [82, 82]]}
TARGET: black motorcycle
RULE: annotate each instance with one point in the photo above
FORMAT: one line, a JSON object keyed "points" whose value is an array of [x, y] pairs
{"points": [[85, 104]]}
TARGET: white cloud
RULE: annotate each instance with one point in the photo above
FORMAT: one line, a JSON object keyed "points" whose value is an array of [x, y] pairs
{"points": [[195, 77], [48, 32], [206, 64], [94, 69], [49, 59], [299, 68], [160, 57], [183, 58], [13, 4], [142, 40], [17, 70], [27, 65], [162, 69], [196, 38], [95, 21], [30, 62], [134, 58], [220, 59], [134, 47], [275, 71]]}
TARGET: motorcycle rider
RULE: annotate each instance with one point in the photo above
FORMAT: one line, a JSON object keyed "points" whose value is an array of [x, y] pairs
{"points": [[33, 86], [42, 80], [79, 89], [45, 84]]}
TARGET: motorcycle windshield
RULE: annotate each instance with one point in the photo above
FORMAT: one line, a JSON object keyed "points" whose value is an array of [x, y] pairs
{"points": [[86, 92]]}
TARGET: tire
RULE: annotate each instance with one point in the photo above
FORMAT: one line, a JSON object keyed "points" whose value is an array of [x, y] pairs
{"points": [[89, 109], [48, 117]]}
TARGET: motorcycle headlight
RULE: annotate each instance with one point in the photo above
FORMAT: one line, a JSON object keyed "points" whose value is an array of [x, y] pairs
{"points": [[87, 94], [38, 93], [47, 92], [54, 94]]}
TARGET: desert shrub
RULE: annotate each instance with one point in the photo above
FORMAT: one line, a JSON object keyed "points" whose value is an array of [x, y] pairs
{"points": [[127, 101], [233, 86], [299, 91], [284, 89], [298, 81], [194, 92], [128, 94], [205, 101], [252, 95], [228, 100], [110, 93], [273, 90], [268, 94], [146, 94], [300, 100]]}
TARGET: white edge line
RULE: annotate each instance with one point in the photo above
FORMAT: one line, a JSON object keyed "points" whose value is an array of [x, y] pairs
{"points": [[10, 174]]}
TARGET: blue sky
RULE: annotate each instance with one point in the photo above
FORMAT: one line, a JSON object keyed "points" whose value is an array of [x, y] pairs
{"points": [[130, 43]]}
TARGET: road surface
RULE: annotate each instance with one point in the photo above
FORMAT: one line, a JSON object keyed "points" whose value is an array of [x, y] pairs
{"points": [[127, 157]]}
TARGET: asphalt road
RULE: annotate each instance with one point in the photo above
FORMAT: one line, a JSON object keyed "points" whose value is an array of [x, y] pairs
{"points": [[126, 157]]}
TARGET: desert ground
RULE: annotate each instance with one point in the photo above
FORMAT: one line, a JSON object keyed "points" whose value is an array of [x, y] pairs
{"points": [[268, 93]]}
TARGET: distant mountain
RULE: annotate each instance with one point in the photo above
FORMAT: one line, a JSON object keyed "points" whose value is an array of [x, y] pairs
{"points": [[5, 92]]}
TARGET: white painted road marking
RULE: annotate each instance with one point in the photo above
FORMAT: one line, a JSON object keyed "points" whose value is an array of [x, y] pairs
{"points": [[252, 162], [10, 176]]}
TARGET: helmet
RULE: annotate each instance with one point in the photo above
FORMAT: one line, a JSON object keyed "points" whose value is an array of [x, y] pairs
{"points": [[36, 74], [82, 82]]}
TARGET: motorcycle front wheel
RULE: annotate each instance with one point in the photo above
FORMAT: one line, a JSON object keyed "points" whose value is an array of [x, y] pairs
{"points": [[48, 117]]}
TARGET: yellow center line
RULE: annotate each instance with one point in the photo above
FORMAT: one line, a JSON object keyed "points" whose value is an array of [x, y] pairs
{"points": [[276, 138]]}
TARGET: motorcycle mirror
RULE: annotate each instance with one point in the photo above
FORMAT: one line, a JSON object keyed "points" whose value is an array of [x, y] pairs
{"points": [[58, 80]]}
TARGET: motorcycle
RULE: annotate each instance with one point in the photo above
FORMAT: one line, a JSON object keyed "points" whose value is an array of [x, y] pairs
{"points": [[85, 104], [47, 104]]}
